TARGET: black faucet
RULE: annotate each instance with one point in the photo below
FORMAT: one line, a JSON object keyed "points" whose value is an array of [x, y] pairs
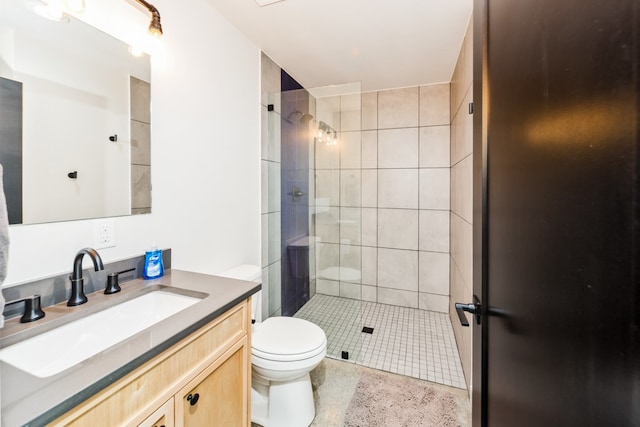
{"points": [[77, 282]]}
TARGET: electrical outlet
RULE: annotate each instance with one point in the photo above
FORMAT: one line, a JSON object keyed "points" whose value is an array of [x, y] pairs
{"points": [[104, 233]]}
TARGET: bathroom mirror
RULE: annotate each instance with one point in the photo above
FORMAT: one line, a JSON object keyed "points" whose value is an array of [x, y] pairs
{"points": [[74, 120]]}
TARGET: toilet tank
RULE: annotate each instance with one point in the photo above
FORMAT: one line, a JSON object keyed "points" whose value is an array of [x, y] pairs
{"points": [[250, 273]]}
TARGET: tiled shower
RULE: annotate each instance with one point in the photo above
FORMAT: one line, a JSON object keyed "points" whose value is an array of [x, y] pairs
{"points": [[379, 215]]}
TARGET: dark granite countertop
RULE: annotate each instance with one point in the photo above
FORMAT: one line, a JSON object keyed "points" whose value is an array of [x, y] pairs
{"points": [[33, 401]]}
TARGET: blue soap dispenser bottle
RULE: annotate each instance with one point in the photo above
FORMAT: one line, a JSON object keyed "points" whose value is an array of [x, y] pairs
{"points": [[153, 266]]}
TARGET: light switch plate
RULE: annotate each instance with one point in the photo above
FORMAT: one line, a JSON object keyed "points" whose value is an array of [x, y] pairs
{"points": [[104, 233]]}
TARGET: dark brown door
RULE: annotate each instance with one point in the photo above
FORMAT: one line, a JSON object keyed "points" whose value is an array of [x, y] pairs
{"points": [[557, 213]]}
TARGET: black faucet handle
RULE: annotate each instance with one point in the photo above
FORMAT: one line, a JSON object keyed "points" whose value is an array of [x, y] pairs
{"points": [[112, 282], [32, 308]]}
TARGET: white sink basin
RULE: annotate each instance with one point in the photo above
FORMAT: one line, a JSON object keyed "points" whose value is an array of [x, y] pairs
{"points": [[54, 351]]}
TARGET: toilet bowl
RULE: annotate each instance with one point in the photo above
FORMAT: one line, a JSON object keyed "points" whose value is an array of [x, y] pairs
{"points": [[283, 352]]}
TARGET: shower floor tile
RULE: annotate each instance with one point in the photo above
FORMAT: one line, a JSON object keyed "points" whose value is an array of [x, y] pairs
{"points": [[404, 341]]}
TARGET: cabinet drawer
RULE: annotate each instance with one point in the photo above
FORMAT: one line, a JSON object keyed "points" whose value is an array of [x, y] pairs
{"points": [[163, 417], [132, 398]]}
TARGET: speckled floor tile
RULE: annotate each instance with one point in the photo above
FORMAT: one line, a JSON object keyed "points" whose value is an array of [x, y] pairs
{"points": [[335, 382]]}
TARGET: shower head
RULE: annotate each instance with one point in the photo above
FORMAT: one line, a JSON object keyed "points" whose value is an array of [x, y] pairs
{"points": [[304, 117]]}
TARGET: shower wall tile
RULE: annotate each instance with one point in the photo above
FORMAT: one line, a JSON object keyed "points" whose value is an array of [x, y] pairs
{"points": [[350, 150], [264, 240], [398, 228], [434, 231], [328, 261], [312, 188], [369, 266], [350, 263], [434, 188], [327, 225], [398, 188], [462, 131], [328, 111], [351, 290], [140, 186], [328, 187], [435, 147], [434, 105], [462, 188], [274, 237], [264, 133], [327, 155], [264, 186], [434, 273], [312, 288], [398, 297], [398, 269], [274, 133], [264, 296], [369, 227], [398, 148], [370, 149], [350, 187], [462, 195], [431, 302], [369, 293], [463, 73], [462, 246], [328, 287], [275, 291], [398, 108], [312, 259], [350, 230], [350, 112], [270, 78], [140, 143], [369, 188], [140, 99], [274, 187], [370, 110], [378, 246]]}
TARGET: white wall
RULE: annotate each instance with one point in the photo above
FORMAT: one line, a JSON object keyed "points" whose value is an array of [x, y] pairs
{"points": [[205, 156]]}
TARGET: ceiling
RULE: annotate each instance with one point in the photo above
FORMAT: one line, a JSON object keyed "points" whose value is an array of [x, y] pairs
{"points": [[381, 43]]}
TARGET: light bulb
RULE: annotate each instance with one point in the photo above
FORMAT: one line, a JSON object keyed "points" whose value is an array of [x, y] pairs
{"points": [[319, 133]]}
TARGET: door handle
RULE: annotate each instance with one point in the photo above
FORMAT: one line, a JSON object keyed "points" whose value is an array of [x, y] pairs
{"points": [[474, 308]]}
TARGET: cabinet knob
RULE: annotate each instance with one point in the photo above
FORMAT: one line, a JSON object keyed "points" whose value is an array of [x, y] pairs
{"points": [[193, 398]]}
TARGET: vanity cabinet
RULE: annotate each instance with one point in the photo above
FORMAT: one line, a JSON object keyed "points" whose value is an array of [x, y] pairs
{"points": [[163, 417], [204, 380]]}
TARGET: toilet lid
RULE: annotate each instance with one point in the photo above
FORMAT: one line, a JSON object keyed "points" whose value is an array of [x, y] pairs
{"points": [[287, 336]]}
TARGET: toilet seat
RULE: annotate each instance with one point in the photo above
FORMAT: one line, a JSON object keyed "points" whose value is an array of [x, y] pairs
{"points": [[287, 339]]}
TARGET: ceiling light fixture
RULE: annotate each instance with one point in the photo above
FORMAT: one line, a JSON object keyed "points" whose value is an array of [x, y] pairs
{"points": [[155, 27], [324, 130]]}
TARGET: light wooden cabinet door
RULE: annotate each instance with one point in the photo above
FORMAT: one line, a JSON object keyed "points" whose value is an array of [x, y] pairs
{"points": [[218, 396], [163, 417], [213, 363]]}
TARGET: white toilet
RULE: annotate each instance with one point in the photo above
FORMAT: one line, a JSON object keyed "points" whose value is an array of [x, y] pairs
{"points": [[283, 352]]}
